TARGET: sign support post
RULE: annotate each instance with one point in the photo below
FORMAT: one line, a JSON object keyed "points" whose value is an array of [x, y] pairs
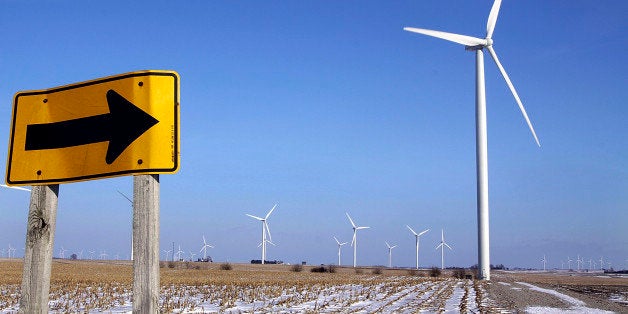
{"points": [[146, 243], [42, 219]]}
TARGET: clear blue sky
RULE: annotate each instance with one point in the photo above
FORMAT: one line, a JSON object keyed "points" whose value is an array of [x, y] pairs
{"points": [[327, 107]]}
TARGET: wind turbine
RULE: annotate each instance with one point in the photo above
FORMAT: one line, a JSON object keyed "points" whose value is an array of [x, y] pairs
{"points": [[204, 248], [478, 45], [179, 254], [544, 261], [91, 254], [390, 254], [339, 248], [569, 263], [167, 253], [442, 246], [128, 199], [62, 252], [265, 230], [416, 236], [354, 242]]}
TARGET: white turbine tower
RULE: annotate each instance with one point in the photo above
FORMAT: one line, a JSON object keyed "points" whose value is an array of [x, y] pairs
{"points": [[390, 254], [204, 248], [569, 263], [442, 246], [544, 261], [339, 248], [265, 230], [130, 201], [416, 236], [478, 45], [354, 242]]}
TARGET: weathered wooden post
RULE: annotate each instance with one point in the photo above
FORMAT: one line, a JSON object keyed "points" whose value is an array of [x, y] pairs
{"points": [[146, 243], [40, 233]]}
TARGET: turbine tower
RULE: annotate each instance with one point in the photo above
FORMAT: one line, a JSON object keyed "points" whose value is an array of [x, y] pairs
{"points": [[390, 254], [416, 236], [354, 242], [265, 230], [204, 248], [544, 261], [339, 247], [132, 210], [478, 45], [442, 246]]}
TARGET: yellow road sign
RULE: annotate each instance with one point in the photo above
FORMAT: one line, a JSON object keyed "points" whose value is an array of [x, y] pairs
{"points": [[113, 126]]}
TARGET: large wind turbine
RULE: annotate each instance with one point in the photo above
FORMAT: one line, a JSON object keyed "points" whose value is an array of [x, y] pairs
{"points": [[354, 242], [390, 254], [265, 231], [416, 236], [339, 248], [204, 248], [478, 45], [442, 246]]}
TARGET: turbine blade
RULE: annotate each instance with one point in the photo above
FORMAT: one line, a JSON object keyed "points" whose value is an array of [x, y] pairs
{"points": [[337, 240], [447, 245], [388, 245], [438, 246], [423, 232], [270, 238], [460, 39], [271, 242], [514, 92], [271, 210], [411, 230], [204, 242], [392, 247], [492, 18], [360, 228], [343, 243], [255, 217], [350, 220]]}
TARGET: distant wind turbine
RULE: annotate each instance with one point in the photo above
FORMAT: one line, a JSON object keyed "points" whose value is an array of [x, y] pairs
{"points": [[339, 248], [569, 263], [543, 261], [354, 242], [62, 252], [265, 230], [478, 45], [442, 246], [390, 254], [167, 253], [179, 254], [204, 248], [416, 242]]}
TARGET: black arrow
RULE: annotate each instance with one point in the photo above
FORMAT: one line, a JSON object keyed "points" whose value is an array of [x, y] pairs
{"points": [[120, 127]]}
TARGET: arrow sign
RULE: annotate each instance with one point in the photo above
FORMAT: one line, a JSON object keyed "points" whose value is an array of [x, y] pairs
{"points": [[120, 127], [126, 124]]}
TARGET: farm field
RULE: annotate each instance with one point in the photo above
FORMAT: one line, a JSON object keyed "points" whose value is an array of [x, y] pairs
{"points": [[106, 287]]}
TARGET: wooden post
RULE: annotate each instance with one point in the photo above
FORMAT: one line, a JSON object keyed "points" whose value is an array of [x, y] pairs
{"points": [[40, 233], [146, 243]]}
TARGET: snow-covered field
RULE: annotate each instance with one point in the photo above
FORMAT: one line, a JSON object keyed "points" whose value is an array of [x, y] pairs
{"points": [[378, 294], [106, 287]]}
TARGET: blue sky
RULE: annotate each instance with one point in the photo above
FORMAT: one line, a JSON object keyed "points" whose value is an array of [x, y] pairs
{"points": [[327, 107]]}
